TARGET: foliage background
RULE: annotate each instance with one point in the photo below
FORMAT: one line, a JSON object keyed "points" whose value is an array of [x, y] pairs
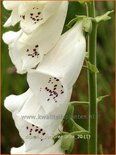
{"points": [[13, 83]]}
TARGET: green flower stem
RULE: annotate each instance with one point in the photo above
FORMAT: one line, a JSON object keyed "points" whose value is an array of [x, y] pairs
{"points": [[92, 79]]}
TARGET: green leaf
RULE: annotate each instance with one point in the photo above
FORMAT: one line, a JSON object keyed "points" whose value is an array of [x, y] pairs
{"points": [[91, 67], [77, 127], [104, 17], [100, 98], [68, 143]]}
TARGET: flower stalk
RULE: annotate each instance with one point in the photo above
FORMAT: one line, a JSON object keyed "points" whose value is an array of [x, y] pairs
{"points": [[92, 83]]}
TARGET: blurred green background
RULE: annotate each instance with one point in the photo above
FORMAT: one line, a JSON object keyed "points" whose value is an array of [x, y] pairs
{"points": [[13, 83]]}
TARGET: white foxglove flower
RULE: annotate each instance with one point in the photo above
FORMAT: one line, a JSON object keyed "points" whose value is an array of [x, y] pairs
{"points": [[27, 131], [36, 140], [51, 83], [31, 14], [27, 51], [49, 123]]}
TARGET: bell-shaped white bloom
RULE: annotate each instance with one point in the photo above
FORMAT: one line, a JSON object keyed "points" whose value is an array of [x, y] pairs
{"points": [[64, 61], [32, 14], [36, 140], [27, 51], [49, 123], [26, 130], [51, 83]]}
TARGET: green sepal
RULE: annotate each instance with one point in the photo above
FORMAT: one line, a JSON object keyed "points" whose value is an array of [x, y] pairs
{"points": [[100, 98], [87, 56], [68, 143], [91, 67], [87, 25], [72, 22], [68, 116], [69, 113], [104, 17], [77, 127], [86, 21]]}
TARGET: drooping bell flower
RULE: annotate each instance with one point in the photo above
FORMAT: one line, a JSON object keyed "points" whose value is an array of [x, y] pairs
{"points": [[49, 123], [32, 14], [52, 82], [36, 140], [27, 51]]}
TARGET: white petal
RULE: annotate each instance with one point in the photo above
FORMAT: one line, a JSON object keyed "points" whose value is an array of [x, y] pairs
{"points": [[65, 60], [29, 54], [10, 5], [55, 76], [31, 16], [28, 130], [10, 102], [37, 13], [11, 36], [24, 48], [47, 116], [36, 147], [19, 150], [16, 59], [8, 22], [14, 17], [33, 146], [50, 91], [55, 149], [35, 139]]}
